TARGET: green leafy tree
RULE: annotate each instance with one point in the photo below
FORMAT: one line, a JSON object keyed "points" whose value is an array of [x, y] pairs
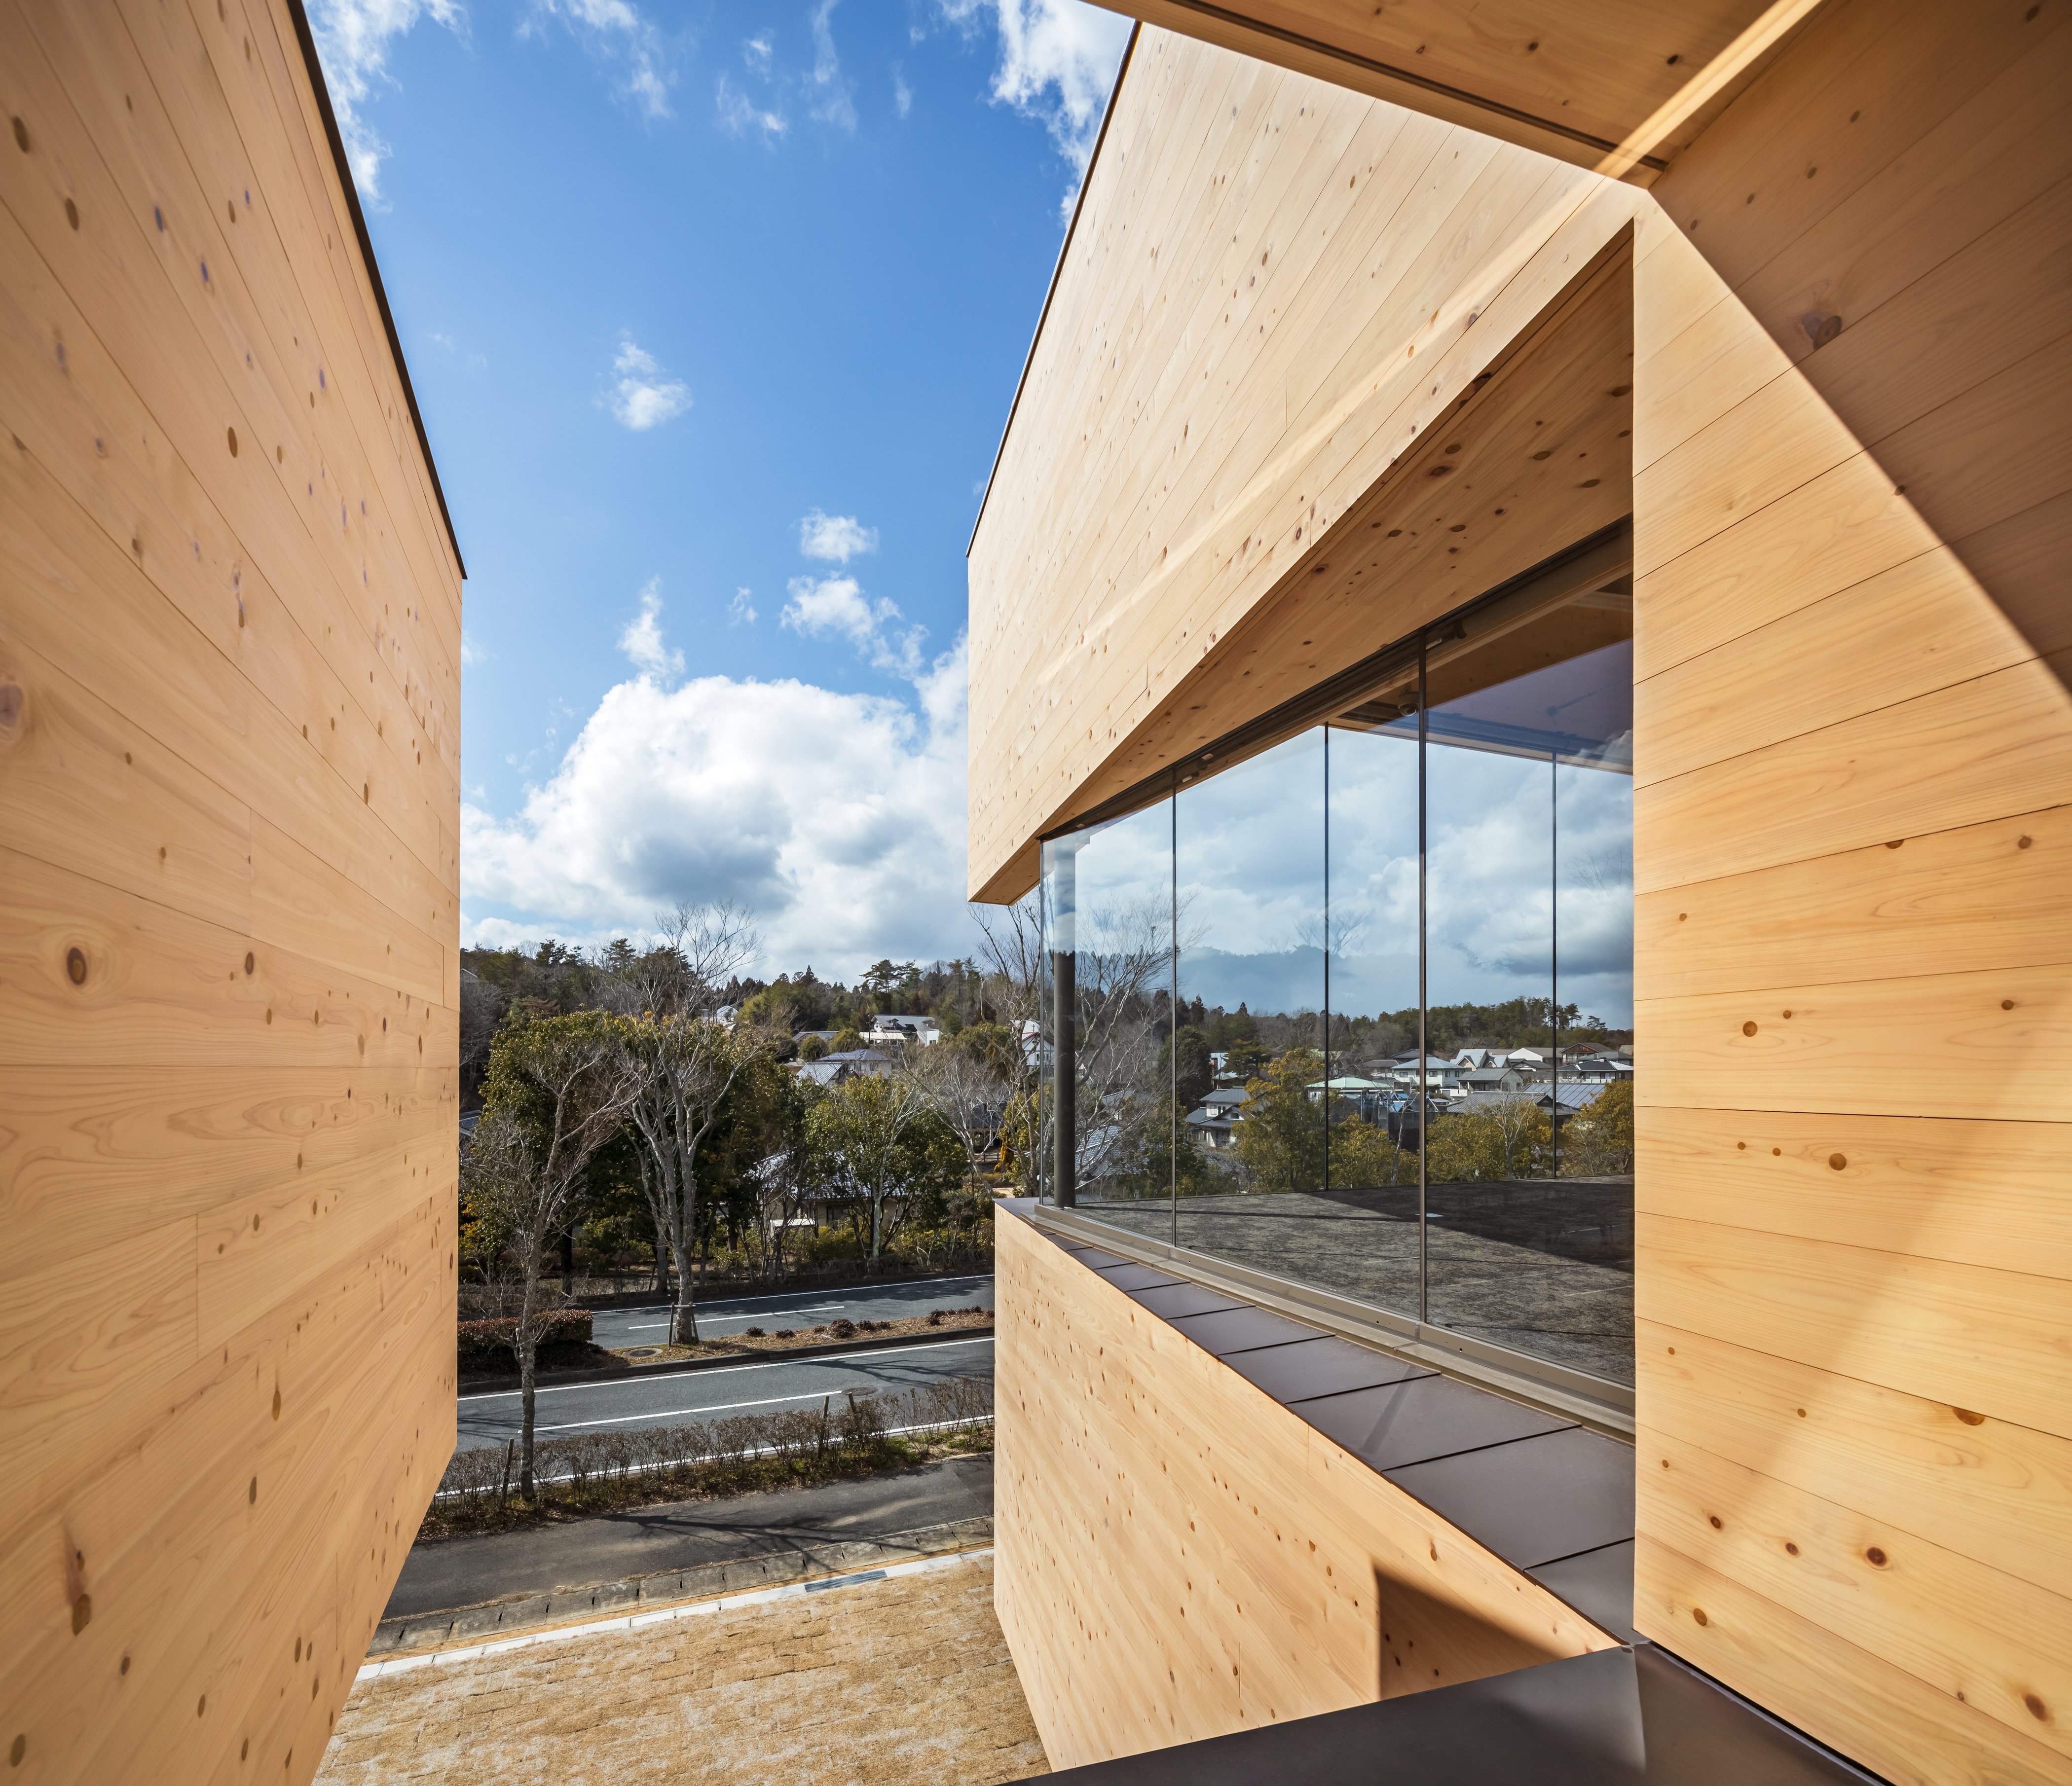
{"points": [[881, 1134], [1281, 1140], [1597, 1141], [811, 1047]]}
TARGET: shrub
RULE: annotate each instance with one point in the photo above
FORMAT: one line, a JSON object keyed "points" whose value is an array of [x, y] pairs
{"points": [[842, 1328], [752, 1332], [484, 1345], [788, 1333]]}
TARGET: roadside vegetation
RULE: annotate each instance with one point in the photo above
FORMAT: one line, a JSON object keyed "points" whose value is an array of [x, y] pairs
{"points": [[610, 1470]]}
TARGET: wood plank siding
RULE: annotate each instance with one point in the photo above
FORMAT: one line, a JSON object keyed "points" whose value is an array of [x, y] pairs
{"points": [[229, 761], [1181, 1556], [1849, 470]]}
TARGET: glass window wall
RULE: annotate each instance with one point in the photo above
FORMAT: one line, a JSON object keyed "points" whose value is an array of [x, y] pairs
{"points": [[1357, 1010]]}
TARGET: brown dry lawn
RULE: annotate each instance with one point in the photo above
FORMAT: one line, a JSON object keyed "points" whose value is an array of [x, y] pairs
{"points": [[903, 1680]]}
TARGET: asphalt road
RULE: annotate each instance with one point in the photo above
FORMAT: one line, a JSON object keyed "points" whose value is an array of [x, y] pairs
{"points": [[647, 1540], [686, 1398], [617, 1327]]}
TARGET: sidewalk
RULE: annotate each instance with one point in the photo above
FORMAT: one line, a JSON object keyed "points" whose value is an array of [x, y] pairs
{"points": [[904, 1677]]}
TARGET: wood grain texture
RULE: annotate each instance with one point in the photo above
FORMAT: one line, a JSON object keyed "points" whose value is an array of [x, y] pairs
{"points": [[1228, 473], [1991, 1639], [1985, 1339], [1956, 1188], [1985, 896], [229, 648], [1569, 81], [1872, 1709], [1180, 1556], [1995, 1490], [1853, 753]]}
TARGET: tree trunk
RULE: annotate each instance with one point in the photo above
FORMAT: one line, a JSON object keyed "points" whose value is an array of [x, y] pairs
{"points": [[661, 1266], [684, 1324], [528, 1343]]}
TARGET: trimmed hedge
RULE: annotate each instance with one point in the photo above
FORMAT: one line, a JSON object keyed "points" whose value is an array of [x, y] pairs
{"points": [[598, 1469], [486, 1344]]}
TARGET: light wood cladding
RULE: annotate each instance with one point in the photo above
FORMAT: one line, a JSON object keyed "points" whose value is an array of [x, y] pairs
{"points": [[1573, 81], [1179, 1556], [1300, 338], [229, 699], [1853, 757]]}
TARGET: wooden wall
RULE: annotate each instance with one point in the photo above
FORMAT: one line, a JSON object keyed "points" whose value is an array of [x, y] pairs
{"points": [[1852, 487], [1853, 812], [229, 649], [1263, 349], [1180, 1557]]}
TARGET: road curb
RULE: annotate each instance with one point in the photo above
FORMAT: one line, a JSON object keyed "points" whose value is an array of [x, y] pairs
{"points": [[817, 1564], [612, 1373]]}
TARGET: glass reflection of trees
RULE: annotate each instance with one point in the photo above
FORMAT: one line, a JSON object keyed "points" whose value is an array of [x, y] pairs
{"points": [[1385, 1057]]}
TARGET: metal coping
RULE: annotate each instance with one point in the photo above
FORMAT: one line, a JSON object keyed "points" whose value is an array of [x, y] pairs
{"points": [[1337, 694], [315, 65], [1057, 272]]}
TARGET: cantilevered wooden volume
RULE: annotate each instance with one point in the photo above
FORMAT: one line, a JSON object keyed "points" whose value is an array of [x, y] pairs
{"points": [[229, 665]]}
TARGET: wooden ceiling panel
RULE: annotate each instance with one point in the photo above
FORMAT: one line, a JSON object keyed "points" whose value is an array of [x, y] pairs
{"points": [[1579, 79]]}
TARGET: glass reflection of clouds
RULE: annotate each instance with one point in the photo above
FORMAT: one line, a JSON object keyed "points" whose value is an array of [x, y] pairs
{"points": [[1464, 875]]}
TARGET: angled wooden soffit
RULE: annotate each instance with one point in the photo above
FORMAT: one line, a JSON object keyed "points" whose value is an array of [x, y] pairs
{"points": [[1620, 87]]}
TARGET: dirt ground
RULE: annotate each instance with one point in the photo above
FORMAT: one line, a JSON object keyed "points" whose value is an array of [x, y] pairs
{"points": [[903, 1679]]}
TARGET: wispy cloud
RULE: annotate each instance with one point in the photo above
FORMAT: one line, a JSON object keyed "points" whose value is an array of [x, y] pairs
{"points": [[833, 103], [641, 640], [738, 114], [472, 650], [741, 611], [616, 32], [353, 38], [1057, 59], [755, 52], [902, 95], [835, 539], [643, 395]]}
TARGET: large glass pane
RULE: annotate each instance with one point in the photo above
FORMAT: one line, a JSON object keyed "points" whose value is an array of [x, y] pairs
{"points": [[1370, 1098], [1529, 826], [1107, 902], [1248, 1053]]}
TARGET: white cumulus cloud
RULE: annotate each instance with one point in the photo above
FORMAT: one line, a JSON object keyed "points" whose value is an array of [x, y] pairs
{"points": [[352, 37], [644, 397], [641, 638], [835, 538], [1057, 59], [838, 818], [835, 607]]}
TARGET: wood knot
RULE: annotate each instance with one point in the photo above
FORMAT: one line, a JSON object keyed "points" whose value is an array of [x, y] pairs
{"points": [[1748, 1029], [75, 967]]}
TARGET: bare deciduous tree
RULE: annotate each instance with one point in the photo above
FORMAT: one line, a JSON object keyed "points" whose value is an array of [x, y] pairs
{"points": [[683, 1068], [558, 1090], [966, 1092]]}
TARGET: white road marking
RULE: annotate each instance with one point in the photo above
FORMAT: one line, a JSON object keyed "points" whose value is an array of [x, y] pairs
{"points": [[735, 1370], [677, 1414]]}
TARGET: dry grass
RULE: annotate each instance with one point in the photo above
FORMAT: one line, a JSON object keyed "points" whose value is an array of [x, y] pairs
{"points": [[902, 1679]]}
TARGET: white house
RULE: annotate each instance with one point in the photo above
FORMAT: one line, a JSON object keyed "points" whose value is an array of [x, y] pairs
{"points": [[897, 1027]]}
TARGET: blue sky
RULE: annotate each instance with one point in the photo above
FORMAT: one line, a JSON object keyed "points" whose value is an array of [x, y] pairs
{"points": [[714, 313]]}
